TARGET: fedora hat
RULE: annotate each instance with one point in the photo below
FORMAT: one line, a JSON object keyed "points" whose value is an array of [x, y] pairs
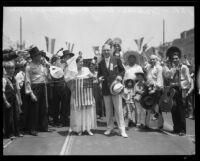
{"points": [[67, 52], [116, 87], [44, 55], [148, 100], [56, 72], [170, 52], [9, 55], [34, 52]]}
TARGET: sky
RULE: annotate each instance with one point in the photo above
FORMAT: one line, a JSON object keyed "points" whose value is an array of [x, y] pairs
{"points": [[92, 26]]}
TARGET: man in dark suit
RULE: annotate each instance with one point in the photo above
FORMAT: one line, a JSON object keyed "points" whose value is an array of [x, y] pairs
{"points": [[111, 69]]}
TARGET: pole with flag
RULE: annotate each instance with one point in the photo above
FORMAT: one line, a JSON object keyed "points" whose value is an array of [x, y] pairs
{"points": [[50, 44]]}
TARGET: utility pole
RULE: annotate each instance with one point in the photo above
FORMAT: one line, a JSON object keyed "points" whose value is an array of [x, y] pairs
{"points": [[163, 31], [20, 33]]}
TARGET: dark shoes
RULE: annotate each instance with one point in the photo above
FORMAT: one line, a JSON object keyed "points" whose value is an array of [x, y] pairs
{"points": [[34, 133], [181, 134]]}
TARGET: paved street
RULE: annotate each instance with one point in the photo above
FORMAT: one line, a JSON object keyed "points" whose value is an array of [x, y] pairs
{"points": [[139, 142]]}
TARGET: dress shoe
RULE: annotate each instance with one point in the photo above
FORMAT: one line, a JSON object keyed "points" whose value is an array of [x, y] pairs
{"points": [[34, 133], [107, 132], [123, 134], [13, 137], [80, 133], [181, 134], [90, 133]]}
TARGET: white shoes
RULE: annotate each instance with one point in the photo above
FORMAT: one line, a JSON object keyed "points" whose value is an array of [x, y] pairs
{"points": [[107, 132], [90, 133], [124, 135]]}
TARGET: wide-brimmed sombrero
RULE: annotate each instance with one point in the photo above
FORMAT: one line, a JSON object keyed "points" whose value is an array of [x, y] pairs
{"points": [[170, 52], [129, 53]]}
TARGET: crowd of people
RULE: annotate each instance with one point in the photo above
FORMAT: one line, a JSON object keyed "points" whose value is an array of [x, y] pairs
{"points": [[39, 91]]}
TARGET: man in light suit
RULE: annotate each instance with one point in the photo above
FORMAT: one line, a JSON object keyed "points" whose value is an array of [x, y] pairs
{"points": [[111, 69]]}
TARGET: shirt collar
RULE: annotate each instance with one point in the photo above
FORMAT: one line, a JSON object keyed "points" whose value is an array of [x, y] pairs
{"points": [[107, 59]]}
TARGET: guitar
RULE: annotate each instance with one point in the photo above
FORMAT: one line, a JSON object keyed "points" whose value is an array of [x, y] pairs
{"points": [[153, 124], [166, 100]]}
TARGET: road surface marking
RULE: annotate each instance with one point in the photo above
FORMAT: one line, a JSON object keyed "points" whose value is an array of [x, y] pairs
{"points": [[65, 144], [68, 148], [8, 143]]}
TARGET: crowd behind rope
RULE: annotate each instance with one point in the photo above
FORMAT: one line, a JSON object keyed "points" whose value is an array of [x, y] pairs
{"points": [[39, 91]]}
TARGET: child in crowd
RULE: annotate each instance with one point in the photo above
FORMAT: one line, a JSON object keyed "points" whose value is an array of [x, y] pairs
{"points": [[138, 91], [129, 108]]}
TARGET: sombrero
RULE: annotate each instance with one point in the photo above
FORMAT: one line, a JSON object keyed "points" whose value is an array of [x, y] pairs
{"points": [[148, 100], [116, 87], [170, 52], [117, 40], [129, 53], [9, 55], [56, 72]]}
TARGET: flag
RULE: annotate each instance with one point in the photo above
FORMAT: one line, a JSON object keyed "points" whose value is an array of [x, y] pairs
{"points": [[72, 48], [139, 43], [50, 43], [96, 50], [83, 92], [69, 46]]}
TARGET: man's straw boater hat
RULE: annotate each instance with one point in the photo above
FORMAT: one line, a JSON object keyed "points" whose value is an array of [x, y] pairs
{"points": [[116, 87]]}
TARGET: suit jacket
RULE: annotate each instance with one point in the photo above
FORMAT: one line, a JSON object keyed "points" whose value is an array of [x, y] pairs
{"points": [[115, 69]]}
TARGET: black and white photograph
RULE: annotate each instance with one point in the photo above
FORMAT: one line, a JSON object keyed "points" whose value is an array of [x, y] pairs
{"points": [[99, 80]]}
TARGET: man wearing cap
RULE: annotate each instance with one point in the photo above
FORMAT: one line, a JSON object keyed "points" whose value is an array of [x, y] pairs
{"points": [[35, 86], [180, 80], [59, 90], [65, 110], [111, 70], [11, 96]]}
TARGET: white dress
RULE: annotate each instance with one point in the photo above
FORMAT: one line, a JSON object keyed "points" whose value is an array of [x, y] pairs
{"points": [[82, 104]]}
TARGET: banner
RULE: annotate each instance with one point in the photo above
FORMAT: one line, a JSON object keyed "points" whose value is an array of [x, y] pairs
{"points": [[50, 43]]}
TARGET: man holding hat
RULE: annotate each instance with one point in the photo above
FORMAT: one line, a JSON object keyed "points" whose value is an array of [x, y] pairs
{"points": [[35, 86], [11, 96], [110, 73], [180, 80], [65, 109]]}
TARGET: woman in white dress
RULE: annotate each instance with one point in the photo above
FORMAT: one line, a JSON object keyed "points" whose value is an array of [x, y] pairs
{"points": [[82, 104]]}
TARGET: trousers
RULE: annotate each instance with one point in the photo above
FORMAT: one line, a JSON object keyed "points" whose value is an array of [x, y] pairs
{"points": [[114, 103]]}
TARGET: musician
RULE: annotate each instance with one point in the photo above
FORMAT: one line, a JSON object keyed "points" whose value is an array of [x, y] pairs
{"points": [[180, 80], [11, 97], [35, 86], [83, 111], [65, 110], [59, 90], [111, 69], [154, 80]]}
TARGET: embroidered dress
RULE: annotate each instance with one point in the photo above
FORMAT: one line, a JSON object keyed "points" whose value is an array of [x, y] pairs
{"points": [[83, 109]]}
